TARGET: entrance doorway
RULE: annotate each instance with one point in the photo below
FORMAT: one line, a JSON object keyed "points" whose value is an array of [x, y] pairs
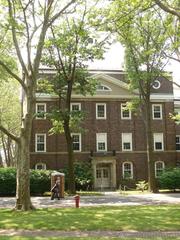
{"points": [[104, 170], [103, 177]]}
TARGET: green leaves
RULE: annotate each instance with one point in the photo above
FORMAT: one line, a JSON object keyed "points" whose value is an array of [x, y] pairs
{"points": [[58, 117]]}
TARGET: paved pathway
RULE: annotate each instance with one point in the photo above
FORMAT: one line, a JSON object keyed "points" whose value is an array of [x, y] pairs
{"points": [[45, 233], [112, 198]]}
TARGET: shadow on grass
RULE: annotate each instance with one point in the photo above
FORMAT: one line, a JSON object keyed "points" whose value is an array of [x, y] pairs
{"points": [[140, 218]]}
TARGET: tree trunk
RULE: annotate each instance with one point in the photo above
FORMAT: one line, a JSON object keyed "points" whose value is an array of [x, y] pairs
{"points": [[1, 161], [71, 176], [23, 201], [150, 155], [4, 149]]}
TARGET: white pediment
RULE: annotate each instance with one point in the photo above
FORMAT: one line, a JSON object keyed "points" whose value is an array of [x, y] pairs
{"points": [[116, 86]]}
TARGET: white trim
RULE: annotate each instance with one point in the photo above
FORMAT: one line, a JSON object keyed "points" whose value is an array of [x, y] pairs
{"points": [[43, 164], [163, 166], [154, 97], [162, 96], [132, 173], [158, 86], [103, 90], [105, 141], [113, 80], [78, 134], [162, 141], [40, 134], [124, 118], [41, 104], [100, 104], [75, 104], [178, 143], [156, 105], [123, 136]]}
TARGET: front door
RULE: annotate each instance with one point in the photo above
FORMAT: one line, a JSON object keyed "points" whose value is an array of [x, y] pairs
{"points": [[103, 177]]}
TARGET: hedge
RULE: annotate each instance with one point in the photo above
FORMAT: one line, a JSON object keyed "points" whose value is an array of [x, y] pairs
{"points": [[39, 182], [170, 179]]}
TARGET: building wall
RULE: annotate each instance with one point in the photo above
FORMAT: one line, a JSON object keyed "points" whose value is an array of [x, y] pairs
{"points": [[55, 156]]}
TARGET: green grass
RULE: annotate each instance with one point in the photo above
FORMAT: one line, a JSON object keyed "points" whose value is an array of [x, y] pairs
{"points": [[140, 218]]}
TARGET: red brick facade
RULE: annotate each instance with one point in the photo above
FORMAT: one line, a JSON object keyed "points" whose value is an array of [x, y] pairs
{"points": [[55, 156]]}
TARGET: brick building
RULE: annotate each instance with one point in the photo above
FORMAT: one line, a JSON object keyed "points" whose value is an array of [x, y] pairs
{"points": [[114, 140]]}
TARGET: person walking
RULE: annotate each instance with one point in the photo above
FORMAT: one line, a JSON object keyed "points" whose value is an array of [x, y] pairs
{"points": [[55, 191]]}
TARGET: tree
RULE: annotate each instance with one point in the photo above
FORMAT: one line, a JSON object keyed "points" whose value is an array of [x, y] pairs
{"points": [[67, 50], [143, 36], [172, 24], [28, 21], [171, 7], [10, 118]]}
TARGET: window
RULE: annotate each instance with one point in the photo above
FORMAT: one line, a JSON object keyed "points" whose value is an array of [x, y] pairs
{"points": [[125, 113], [158, 142], [159, 168], [40, 166], [40, 110], [127, 170], [75, 106], [178, 142], [100, 111], [156, 84], [40, 142], [157, 111], [177, 110], [101, 142], [102, 87], [76, 137], [127, 141]]}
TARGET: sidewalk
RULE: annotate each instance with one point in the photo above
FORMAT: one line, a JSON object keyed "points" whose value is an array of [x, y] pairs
{"points": [[108, 199], [45, 233]]}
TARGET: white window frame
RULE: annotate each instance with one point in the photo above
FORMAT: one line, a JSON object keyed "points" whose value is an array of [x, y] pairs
{"points": [[76, 104], [156, 105], [123, 105], [42, 164], [40, 134], [42, 104], [100, 104], [78, 134], [155, 166], [123, 141], [155, 135], [105, 141], [178, 136], [132, 174], [103, 88]]}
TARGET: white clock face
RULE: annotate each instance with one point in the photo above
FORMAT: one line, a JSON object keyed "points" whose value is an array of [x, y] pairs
{"points": [[156, 84]]}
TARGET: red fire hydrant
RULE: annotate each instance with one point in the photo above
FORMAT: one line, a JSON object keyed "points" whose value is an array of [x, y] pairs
{"points": [[77, 200]]}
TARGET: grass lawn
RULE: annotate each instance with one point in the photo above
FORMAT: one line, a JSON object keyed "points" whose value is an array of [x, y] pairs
{"points": [[140, 218]]}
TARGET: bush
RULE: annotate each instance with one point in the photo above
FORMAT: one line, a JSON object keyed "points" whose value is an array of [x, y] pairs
{"points": [[7, 181], [83, 176], [40, 182], [170, 179], [142, 185]]}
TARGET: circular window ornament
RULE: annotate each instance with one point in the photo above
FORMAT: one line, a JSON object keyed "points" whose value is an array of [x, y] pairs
{"points": [[156, 84]]}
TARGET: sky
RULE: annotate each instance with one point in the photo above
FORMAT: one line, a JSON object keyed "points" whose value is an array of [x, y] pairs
{"points": [[114, 57]]}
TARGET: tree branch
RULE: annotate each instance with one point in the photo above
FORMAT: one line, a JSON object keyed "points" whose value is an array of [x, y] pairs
{"points": [[11, 135], [8, 70], [13, 22], [60, 12], [167, 9]]}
